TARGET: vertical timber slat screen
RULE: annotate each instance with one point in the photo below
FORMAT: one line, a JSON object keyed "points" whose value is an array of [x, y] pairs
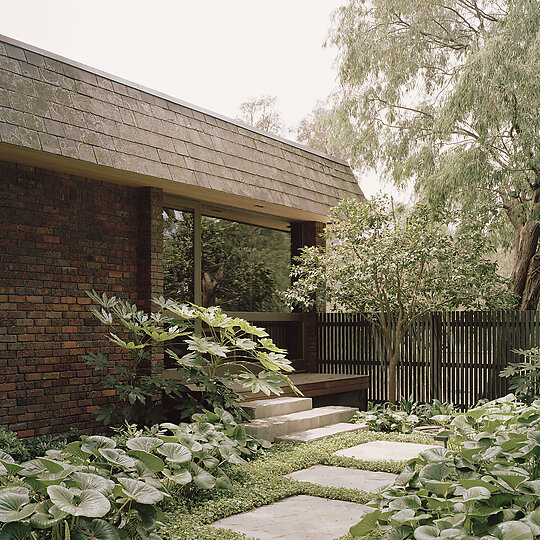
{"points": [[453, 357]]}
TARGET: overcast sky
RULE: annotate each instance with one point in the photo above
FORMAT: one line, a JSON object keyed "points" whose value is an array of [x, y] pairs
{"points": [[212, 53]]}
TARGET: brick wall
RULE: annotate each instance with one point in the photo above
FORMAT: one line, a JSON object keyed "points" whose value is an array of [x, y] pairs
{"points": [[61, 235]]}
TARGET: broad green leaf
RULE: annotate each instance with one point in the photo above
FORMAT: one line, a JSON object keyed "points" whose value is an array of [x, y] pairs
{"points": [[93, 443], [512, 530], [97, 529], [88, 503], [15, 531], [146, 444], [11, 468], [92, 481], [140, 491], [426, 532], [435, 454], [46, 515], [366, 525], [154, 463], [532, 520], [473, 482], [179, 476], [476, 493], [175, 453], [14, 505], [408, 501], [117, 457], [434, 471]]}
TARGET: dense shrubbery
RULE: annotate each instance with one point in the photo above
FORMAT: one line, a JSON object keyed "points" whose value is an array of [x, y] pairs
{"points": [[487, 487], [404, 416], [216, 345], [110, 488]]}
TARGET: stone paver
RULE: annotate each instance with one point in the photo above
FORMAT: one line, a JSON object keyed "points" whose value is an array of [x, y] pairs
{"points": [[384, 450], [297, 518], [325, 475]]}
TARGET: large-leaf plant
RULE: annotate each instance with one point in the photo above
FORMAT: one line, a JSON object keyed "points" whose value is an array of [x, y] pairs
{"points": [[220, 350], [488, 487], [102, 488]]}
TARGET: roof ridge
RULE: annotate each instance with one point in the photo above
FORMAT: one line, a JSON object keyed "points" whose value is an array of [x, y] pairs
{"points": [[167, 97]]}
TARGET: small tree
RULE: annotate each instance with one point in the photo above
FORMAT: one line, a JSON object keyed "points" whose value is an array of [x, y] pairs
{"points": [[394, 269]]}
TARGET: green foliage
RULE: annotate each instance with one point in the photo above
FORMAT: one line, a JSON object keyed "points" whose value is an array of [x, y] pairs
{"points": [[404, 416], [486, 488], [446, 94], [262, 482], [394, 267], [105, 488], [525, 376], [225, 344], [12, 445]]}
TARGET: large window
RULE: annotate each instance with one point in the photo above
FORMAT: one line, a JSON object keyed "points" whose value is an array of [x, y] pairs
{"points": [[243, 266], [178, 255], [216, 261]]}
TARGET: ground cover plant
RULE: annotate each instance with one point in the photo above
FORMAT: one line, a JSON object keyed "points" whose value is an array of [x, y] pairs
{"points": [[218, 349], [486, 486], [404, 416], [262, 482], [108, 488]]}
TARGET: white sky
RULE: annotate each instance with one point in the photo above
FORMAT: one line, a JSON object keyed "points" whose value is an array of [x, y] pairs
{"points": [[213, 53]]}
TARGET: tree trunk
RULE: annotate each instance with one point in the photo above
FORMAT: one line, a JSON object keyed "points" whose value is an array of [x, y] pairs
{"points": [[393, 362], [525, 276]]}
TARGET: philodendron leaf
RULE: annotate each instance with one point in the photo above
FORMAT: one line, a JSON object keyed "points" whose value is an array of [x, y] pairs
{"points": [[14, 505], [47, 514], [435, 454], [88, 503], [175, 453], [97, 529], [140, 492], [146, 444], [202, 478], [512, 530], [15, 531]]}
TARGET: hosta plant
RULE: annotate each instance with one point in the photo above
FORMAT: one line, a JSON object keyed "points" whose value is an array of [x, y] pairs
{"points": [[99, 489], [487, 488], [218, 349]]}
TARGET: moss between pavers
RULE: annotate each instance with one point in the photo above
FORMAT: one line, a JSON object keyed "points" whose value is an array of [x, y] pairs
{"points": [[262, 482]]}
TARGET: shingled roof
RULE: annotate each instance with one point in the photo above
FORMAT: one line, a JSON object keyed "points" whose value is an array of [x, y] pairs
{"points": [[90, 121]]}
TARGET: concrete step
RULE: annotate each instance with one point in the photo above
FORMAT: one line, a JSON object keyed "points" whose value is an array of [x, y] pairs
{"points": [[275, 426], [322, 433], [264, 408]]}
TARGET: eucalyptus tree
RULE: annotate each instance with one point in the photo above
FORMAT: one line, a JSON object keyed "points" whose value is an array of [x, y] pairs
{"points": [[446, 93], [394, 268]]}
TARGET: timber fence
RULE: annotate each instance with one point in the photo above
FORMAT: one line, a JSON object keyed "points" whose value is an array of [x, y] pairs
{"points": [[454, 357]]}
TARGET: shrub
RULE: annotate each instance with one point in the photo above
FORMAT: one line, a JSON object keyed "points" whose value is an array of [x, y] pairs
{"points": [[486, 488], [215, 343], [525, 376], [99, 487]]}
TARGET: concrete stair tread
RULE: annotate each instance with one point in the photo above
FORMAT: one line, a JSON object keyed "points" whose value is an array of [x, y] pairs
{"points": [[318, 411], [264, 408], [316, 434], [275, 426]]}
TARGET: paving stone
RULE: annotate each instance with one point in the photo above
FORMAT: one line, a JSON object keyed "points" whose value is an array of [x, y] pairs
{"points": [[322, 433], [384, 450], [297, 518], [325, 475]]}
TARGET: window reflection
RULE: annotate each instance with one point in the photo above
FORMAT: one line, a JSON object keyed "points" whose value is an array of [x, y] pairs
{"points": [[244, 266]]}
